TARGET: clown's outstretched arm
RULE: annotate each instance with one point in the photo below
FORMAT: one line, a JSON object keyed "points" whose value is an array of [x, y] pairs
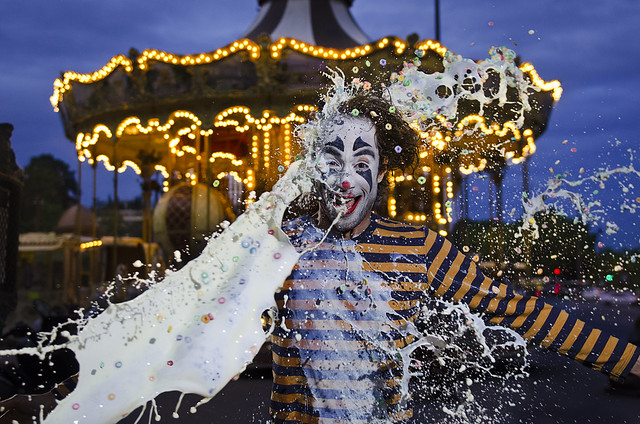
{"points": [[458, 278]]}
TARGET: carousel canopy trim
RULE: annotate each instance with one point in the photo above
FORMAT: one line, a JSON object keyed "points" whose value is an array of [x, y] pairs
{"points": [[237, 46], [60, 86], [183, 124], [319, 22], [276, 48], [554, 85]]}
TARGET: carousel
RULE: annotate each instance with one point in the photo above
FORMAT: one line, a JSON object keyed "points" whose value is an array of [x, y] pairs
{"points": [[213, 130]]}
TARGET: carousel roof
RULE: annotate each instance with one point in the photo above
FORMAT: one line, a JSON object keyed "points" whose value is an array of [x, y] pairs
{"points": [[325, 23]]}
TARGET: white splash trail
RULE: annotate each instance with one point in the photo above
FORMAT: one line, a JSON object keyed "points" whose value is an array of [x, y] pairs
{"points": [[195, 330], [589, 212]]}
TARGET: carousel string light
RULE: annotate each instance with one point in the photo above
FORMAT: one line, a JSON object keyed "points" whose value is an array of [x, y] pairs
{"points": [[237, 46], [63, 85], [186, 124]]}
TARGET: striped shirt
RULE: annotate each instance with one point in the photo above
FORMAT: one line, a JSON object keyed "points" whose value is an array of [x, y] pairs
{"points": [[344, 305]]}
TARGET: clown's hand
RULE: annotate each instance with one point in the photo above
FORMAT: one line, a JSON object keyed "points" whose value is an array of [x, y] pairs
{"points": [[295, 182]]}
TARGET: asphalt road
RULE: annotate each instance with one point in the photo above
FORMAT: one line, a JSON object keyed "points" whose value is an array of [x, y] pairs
{"points": [[558, 390]]}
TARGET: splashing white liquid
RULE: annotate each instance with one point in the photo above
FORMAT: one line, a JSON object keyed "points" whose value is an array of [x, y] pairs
{"points": [[588, 211], [194, 331]]}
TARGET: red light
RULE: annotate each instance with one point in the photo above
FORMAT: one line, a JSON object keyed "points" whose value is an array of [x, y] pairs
{"points": [[556, 271]]}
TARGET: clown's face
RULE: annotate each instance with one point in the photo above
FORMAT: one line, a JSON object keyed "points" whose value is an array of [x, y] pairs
{"points": [[349, 165]]}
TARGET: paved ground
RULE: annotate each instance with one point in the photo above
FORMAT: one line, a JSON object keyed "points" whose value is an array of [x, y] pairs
{"points": [[558, 391]]}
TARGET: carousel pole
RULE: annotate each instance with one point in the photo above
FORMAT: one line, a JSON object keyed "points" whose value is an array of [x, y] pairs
{"points": [[465, 209], [93, 262], [493, 238], [146, 215], [499, 211], [497, 178], [115, 208], [526, 239], [73, 290], [94, 204], [146, 175], [146, 205], [147, 209], [525, 176], [146, 202], [207, 178], [77, 217]]}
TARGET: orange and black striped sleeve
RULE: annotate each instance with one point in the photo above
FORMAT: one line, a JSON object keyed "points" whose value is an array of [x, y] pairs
{"points": [[452, 276]]}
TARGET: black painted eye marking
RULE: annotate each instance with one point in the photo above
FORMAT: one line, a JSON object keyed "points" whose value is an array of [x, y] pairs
{"points": [[362, 148], [360, 144], [337, 144], [368, 177], [332, 150], [335, 149], [333, 163]]}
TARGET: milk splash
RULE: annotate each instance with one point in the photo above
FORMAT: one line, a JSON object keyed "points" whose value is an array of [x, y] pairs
{"points": [[194, 331], [588, 211], [420, 96]]}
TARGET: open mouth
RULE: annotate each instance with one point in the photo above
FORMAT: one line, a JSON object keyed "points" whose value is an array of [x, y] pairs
{"points": [[348, 204]]}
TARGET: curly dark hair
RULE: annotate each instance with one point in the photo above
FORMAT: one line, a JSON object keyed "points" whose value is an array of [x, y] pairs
{"points": [[397, 141]]}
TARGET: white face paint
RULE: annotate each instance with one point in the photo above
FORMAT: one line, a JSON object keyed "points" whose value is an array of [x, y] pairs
{"points": [[349, 165]]}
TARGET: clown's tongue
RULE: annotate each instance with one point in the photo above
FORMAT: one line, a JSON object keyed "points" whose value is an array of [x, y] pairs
{"points": [[348, 204]]}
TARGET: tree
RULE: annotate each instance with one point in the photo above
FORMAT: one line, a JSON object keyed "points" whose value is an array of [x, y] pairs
{"points": [[564, 244], [50, 188]]}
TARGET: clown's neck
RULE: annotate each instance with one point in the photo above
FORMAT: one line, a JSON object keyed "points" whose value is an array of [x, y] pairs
{"points": [[325, 222]]}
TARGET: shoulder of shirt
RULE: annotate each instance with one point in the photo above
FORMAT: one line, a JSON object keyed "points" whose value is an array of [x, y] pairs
{"points": [[295, 222], [386, 226], [296, 226]]}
